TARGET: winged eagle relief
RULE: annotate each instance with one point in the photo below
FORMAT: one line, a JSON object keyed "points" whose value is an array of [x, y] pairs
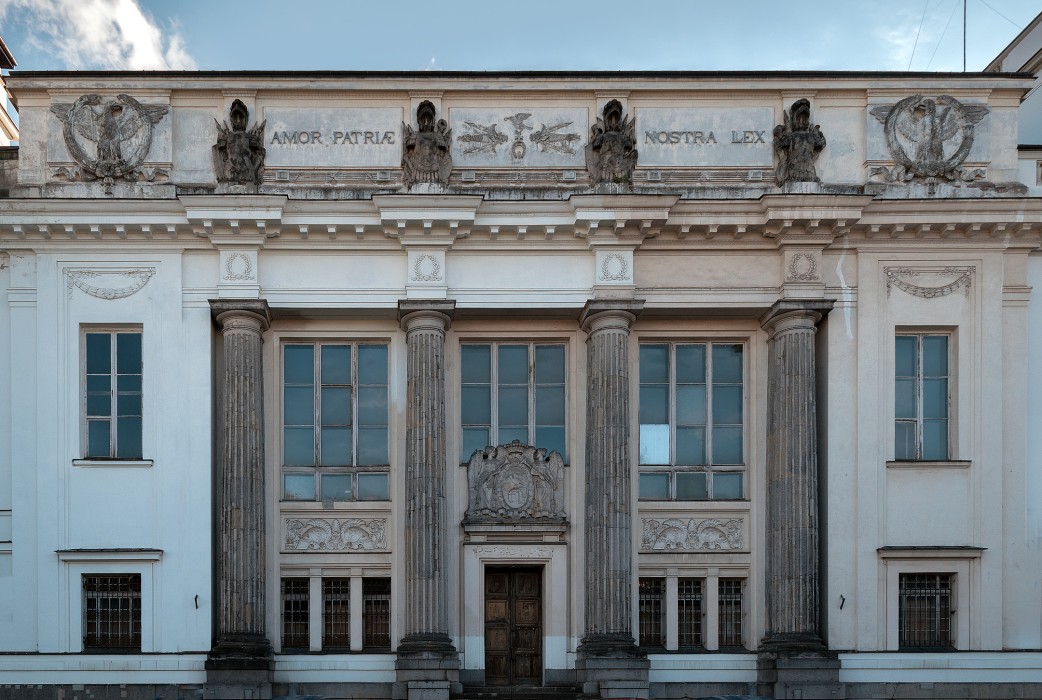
{"points": [[108, 139]]}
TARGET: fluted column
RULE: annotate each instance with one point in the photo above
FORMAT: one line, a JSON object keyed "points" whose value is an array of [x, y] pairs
{"points": [[792, 555], [241, 641], [609, 542], [425, 599]]}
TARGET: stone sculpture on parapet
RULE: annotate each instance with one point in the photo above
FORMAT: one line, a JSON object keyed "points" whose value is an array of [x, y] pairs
{"points": [[238, 155], [426, 154], [797, 143], [611, 154]]}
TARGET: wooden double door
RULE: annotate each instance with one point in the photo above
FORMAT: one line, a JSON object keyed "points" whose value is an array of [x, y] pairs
{"points": [[513, 625]]}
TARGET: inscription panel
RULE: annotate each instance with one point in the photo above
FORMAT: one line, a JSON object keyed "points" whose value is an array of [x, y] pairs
{"points": [[346, 138], [705, 136]]}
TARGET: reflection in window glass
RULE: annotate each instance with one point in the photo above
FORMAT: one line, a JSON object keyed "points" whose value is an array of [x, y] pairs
{"points": [[922, 396], [113, 418]]}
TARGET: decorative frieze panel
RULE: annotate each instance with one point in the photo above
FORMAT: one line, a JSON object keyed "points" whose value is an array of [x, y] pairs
{"points": [[692, 534], [109, 283], [532, 138], [336, 534], [515, 482], [929, 282]]}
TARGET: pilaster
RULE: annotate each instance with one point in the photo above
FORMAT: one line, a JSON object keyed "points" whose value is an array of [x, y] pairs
{"points": [[427, 667], [792, 655], [609, 663], [241, 658]]}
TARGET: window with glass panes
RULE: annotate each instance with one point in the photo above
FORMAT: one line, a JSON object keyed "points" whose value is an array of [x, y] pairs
{"points": [[512, 391], [692, 418], [922, 387], [334, 422], [112, 394]]}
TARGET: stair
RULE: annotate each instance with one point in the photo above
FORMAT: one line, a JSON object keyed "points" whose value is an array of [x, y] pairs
{"points": [[519, 692]]}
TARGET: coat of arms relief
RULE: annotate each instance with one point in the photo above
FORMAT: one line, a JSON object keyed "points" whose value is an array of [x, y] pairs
{"points": [[515, 482]]}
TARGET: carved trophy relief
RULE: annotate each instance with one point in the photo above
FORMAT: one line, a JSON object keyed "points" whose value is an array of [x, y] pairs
{"points": [[238, 155], [515, 482], [691, 534], [797, 143], [929, 138], [108, 139], [426, 151], [611, 154]]}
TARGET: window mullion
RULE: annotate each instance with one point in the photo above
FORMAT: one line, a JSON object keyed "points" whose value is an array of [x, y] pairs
{"points": [[113, 395], [921, 424], [709, 421], [671, 408], [532, 388], [354, 389], [493, 393]]}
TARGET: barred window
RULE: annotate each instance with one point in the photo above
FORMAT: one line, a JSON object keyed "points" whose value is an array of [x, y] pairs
{"points": [[112, 405], [335, 422], [112, 612], [295, 613], [925, 612], [689, 611], [519, 396], [692, 419], [730, 601], [336, 613], [651, 609], [376, 613]]}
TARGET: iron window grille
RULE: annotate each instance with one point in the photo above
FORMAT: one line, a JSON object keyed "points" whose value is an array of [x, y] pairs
{"points": [[922, 396], [519, 396], [692, 416], [112, 394], [336, 613], [689, 613], [925, 612], [730, 600], [651, 610], [376, 613], [335, 422], [296, 633], [112, 612]]}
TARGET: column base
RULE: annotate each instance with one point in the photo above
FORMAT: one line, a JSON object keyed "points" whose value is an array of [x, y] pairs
{"points": [[612, 666], [798, 666], [427, 668], [239, 667]]}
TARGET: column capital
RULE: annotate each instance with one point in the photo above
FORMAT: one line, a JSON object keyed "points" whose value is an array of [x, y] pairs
{"points": [[787, 314], [600, 314], [429, 314], [226, 310]]}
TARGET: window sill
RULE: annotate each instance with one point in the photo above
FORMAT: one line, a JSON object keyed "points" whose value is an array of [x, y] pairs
{"points": [[113, 463], [929, 464]]}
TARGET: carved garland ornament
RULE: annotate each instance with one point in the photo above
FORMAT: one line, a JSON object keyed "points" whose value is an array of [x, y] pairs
{"points": [[333, 534], [229, 267], [139, 278], [614, 268], [946, 280], [803, 267], [426, 268], [689, 534]]}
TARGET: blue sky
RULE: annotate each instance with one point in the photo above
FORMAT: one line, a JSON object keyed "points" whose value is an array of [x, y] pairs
{"points": [[520, 35]]}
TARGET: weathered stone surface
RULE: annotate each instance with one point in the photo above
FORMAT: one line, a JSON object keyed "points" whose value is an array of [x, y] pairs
{"points": [[238, 155], [515, 483], [611, 153], [797, 144], [426, 152]]}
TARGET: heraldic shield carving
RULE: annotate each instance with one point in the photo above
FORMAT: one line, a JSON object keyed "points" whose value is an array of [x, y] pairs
{"points": [[108, 139], [515, 482]]}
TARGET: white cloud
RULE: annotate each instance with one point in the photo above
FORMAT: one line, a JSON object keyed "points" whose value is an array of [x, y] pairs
{"points": [[105, 34]]}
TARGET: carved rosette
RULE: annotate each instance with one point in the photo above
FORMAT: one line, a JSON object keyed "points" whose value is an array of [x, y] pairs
{"points": [[336, 534], [691, 534], [515, 482]]}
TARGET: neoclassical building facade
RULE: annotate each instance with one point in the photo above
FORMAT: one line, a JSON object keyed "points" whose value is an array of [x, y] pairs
{"points": [[651, 385]]}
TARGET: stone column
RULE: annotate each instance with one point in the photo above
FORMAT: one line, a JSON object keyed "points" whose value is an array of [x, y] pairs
{"points": [[427, 664], [609, 661], [792, 654], [241, 644]]}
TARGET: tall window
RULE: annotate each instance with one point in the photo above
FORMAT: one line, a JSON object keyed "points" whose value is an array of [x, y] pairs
{"points": [[335, 418], [512, 392], [295, 613], [689, 612], [921, 397], [376, 613], [336, 613], [112, 394], [691, 421], [924, 614], [730, 616], [112, 612], [651, 608]]}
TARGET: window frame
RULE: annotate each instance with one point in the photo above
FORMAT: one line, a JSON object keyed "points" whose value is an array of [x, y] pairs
{"points": [[963, 563], [113, 331], [531, 387], [355, 471], [920, 333], [710, 610], [709, 468], [352, 601]]}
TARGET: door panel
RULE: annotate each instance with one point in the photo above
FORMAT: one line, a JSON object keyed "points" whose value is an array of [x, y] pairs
{"points": [[513, 626]]}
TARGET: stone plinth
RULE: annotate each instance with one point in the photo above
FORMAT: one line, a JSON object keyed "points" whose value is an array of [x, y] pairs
{"points": [[241, 656], [427, 667], [793, 655], [608, 661]]}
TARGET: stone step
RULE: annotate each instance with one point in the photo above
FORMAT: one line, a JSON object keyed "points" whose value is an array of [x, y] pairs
{"points": [[519, 693]]}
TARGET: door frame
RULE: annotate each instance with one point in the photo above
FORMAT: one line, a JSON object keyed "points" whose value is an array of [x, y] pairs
{"points": [[530, 567]]}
